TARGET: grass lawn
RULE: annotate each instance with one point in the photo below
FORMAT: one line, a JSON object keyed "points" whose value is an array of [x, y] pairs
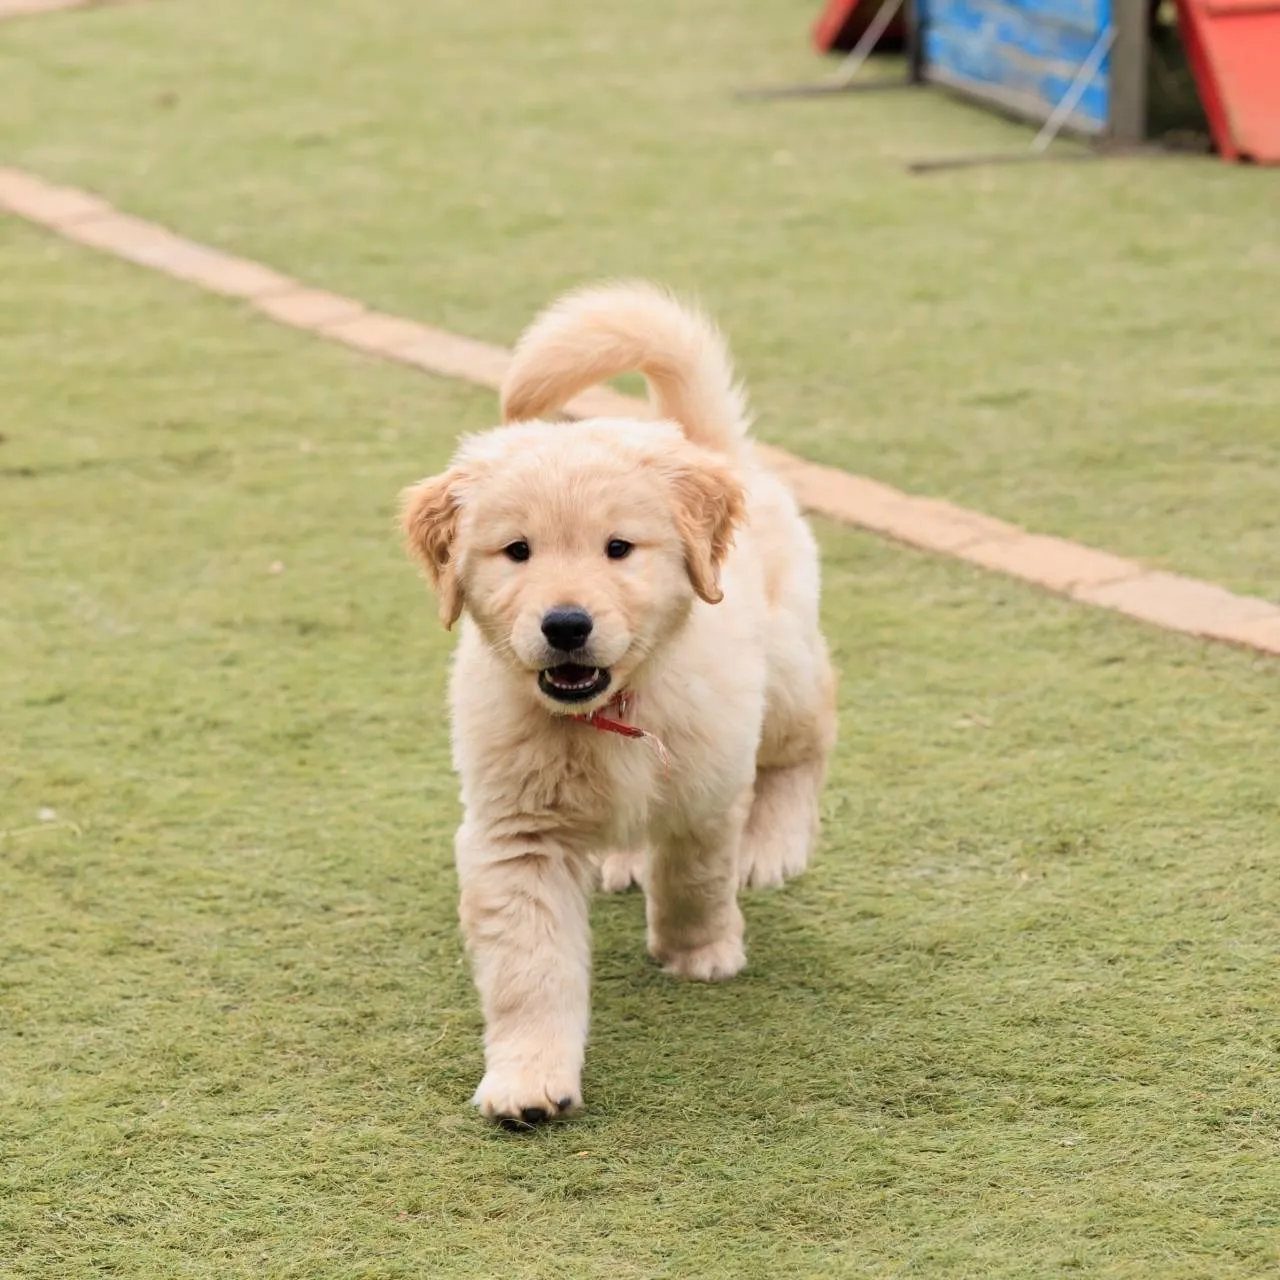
{"points": [[1089, 350], [1019, 1020]]}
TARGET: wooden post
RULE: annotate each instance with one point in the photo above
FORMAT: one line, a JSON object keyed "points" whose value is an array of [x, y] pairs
{"points": [[914, 39], [1131, 19]]}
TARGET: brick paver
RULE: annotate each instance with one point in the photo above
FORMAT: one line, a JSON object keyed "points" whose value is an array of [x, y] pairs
{"points": [[1053, 562], [149, 245], [309, 308], [41, 202], [21, 8], [453, 356], [1181, 604]]}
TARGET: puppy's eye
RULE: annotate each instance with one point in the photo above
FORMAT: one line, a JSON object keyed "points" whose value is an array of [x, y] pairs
{"points": [[517, 551], [618, 549]]}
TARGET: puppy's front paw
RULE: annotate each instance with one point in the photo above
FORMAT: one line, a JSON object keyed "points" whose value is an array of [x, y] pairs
{"points": [[521, 1095], [713, 963]]}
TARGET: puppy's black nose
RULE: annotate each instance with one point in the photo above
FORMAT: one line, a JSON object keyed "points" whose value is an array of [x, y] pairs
{"points": [[566, 627]]}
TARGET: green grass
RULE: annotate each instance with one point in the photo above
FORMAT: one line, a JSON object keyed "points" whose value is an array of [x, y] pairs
{"points": [[1018, 1021], [1085, 349]]}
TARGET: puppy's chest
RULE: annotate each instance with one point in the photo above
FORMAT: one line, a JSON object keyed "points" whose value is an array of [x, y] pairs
{"points": [[634, 794], [611, 788], [570, 780]]}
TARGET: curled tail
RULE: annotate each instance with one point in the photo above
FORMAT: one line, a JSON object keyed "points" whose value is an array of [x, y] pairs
{"points": [[594, 334]]}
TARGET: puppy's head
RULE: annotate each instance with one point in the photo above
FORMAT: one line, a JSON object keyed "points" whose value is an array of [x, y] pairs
{"points": [[577, 549]]}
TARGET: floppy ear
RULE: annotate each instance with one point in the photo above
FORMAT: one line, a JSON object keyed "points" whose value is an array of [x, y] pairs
{"points": [[709, 505], [429, 512]]}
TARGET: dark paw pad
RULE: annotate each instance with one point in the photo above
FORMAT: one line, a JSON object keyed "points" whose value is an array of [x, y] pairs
{"points": [[528, 1119]]}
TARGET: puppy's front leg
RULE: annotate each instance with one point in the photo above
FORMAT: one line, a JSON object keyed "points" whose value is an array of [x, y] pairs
{"points": [[691, 900], [524, 914]]}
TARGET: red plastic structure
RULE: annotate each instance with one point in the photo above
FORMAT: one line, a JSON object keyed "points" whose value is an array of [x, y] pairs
{"points": [[1234, 50], [842, 22]]}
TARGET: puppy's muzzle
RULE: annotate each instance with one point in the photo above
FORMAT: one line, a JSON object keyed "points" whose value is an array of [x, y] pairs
{"points": [[570, 679]]}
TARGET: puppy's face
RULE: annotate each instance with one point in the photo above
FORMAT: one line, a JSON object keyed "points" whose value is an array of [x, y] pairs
{"points": [[577, 550]]}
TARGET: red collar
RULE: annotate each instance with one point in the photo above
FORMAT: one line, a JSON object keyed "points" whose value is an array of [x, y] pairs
{"points": [[619, 706]]}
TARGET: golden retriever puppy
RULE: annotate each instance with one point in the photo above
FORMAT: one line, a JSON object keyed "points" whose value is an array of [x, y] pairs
{"points": [[640, 679]]}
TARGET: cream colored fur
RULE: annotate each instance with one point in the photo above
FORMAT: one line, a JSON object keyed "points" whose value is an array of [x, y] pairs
{"points": [[711, 623]]}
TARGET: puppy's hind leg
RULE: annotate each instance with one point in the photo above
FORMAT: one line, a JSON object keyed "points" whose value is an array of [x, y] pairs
{"points": [[691, 901], [783, 824], [620, 869]]}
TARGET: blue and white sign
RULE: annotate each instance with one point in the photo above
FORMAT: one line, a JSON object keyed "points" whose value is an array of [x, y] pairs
{"points": [[1025, 55]]}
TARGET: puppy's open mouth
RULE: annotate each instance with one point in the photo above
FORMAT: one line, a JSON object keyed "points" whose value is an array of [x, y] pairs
{"points": [[571, 682]]}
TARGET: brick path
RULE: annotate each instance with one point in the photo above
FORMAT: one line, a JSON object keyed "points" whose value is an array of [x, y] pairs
{"points": [[20, 8], [1066, 568]]}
